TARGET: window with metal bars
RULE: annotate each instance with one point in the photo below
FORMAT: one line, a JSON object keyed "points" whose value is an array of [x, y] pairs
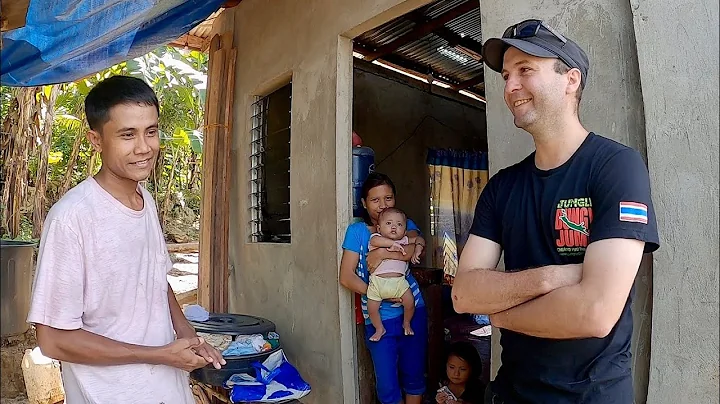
{"points": [[270, 168]]}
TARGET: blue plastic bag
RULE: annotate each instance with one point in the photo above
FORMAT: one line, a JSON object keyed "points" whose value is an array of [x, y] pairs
{"points": [[481, 319], [276, 381]]}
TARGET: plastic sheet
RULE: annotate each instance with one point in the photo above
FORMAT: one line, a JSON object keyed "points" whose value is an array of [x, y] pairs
{"points": [[64, 41], [276, 381]]}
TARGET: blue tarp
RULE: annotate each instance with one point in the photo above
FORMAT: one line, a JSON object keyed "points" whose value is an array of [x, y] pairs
{"points": [[66, 40]]}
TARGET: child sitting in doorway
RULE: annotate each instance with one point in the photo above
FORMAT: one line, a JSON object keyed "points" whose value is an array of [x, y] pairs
{"points": [[388, 280], [462, 383]]}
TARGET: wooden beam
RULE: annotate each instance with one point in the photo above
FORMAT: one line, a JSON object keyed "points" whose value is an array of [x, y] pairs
{"points": [[213, 268], [206, 261], [13, 14], [183, 247], [192, 42], [447, 93], [469, 83], [423, 29], [465, 45], [416, 69], [189, 297]]}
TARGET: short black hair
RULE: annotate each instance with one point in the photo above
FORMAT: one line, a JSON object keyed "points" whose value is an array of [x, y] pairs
{"points": [[375, 179], [114, 91], [467, 352]]}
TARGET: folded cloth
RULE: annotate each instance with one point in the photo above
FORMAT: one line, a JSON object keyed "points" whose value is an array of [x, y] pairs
{"points": [[238, 348], [247, 345], [217, 341], [196, 312]]}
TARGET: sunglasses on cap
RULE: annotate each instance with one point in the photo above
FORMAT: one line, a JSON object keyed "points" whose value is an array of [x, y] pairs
{"points": [[530, 28]]}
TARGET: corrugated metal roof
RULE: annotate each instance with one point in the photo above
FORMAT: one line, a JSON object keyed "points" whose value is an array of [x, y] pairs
{"points": [[468, 25], [431, 52]]}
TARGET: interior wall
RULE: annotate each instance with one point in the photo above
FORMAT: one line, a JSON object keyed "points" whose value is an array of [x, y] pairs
{"points": [[612, 106], [400, 122], [296, 285]]}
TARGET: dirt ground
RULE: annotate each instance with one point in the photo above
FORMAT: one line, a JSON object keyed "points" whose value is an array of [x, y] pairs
{"points": [[12, 383], [18, 400]]}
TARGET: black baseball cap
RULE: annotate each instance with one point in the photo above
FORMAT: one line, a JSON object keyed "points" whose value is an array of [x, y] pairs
{"points": [[535, 38]]}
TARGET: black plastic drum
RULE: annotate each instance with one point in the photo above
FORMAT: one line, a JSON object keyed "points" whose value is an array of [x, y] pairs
{"points": [[234, 325]]}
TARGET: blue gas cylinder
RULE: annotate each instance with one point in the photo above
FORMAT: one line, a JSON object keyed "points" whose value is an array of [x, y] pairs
{"points": [[363, 163]]}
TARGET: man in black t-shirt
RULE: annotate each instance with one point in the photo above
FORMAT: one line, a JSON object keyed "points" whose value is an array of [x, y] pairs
{"points": [[573, 220]]}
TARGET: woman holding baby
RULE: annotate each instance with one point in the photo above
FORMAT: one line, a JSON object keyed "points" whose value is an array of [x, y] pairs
{"points": [[399, 343]]}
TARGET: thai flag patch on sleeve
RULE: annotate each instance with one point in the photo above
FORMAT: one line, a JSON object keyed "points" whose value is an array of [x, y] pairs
{"points": [[633, 212]]}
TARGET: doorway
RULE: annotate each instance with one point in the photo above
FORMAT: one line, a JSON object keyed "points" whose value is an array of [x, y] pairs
{"points": [[419, 107]]}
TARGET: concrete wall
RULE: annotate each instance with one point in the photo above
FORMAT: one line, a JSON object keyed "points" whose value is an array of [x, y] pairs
{"points": [[681, 302], [678, 58], [400, 123], [296, 285]]}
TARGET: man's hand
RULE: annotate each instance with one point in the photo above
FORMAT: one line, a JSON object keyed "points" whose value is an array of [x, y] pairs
{"points": [[210, 354], [397, 247], [181, 354], [205, 350]]}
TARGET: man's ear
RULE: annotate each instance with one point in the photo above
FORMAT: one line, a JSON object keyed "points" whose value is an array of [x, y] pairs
{"points": [[95, 140], [574, 80]]}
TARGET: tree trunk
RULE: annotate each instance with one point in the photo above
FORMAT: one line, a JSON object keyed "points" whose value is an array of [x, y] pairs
{"points": [[166, 202], [92, 163], [193, 171], [70, 169], [157, 173], [15, 169], [9, 140], [42, 170]]}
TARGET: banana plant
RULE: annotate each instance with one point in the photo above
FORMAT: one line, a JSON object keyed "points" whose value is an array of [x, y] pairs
{"points": [[178, 79]]}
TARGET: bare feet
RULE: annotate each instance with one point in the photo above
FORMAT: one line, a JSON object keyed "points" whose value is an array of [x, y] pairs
{"points": [[379, 332], [408, 329]]}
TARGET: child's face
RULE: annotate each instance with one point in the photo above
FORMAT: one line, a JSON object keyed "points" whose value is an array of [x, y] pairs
{"points": [[458, 370], [392, 225]]}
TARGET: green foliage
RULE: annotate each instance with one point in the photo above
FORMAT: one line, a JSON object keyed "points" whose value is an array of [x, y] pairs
{"points": [[178, 80]]}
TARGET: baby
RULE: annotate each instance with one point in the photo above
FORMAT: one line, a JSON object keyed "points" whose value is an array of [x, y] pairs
{"points": [[388, 280]]}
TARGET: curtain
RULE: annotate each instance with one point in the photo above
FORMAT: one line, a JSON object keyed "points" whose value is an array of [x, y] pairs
{"points": [[456, 180]]}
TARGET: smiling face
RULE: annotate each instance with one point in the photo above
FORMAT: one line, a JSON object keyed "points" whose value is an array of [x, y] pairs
{"points": [[378, 199], [128, 142], [536, 94]]}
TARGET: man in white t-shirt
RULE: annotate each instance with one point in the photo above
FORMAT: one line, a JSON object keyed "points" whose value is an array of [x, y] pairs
{"points": [[101, 302]]}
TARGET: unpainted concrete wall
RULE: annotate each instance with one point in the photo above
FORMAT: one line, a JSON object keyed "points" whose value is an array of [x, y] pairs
{"points": [[611, 106], [678, 58], [296, 285], [400, 123]]}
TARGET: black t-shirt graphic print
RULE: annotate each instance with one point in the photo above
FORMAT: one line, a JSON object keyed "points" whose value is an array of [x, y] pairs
{"points": [[549, 218]]}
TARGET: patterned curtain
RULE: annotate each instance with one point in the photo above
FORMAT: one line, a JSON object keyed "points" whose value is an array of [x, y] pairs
{"points": [[456, 180]]}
